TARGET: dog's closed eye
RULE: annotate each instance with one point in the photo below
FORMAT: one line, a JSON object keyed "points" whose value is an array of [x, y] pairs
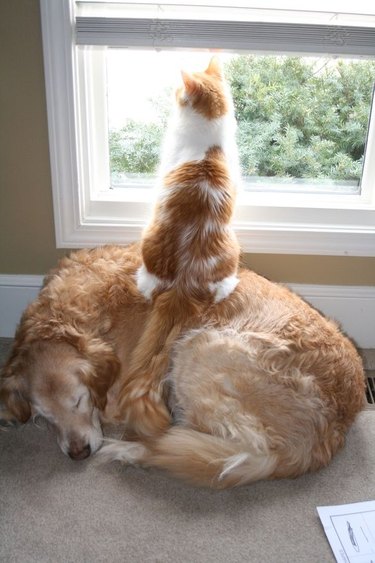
{"points": [[80, 402]]}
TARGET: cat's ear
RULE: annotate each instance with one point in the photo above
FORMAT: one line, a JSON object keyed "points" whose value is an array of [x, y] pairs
{"points": [[192, 86], [214, 68]]}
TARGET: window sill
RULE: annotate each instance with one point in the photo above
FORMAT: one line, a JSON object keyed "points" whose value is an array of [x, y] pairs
{"points": [[263, 225]]}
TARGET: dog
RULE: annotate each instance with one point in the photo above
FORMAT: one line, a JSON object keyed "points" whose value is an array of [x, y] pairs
{"points": [[263, 387], [72, 344]]}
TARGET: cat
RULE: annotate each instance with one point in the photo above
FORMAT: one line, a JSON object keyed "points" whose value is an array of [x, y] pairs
{"points": [[190, 254]]}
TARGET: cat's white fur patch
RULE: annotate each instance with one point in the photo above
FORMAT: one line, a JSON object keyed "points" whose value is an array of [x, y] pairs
{"points": [[209, 227], [214, 196], [224, 287], [190, 135], [147, 282], [199, 267]]}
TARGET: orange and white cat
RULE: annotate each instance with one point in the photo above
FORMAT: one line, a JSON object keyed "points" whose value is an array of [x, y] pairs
{"points": [[189, 243], [190, 254]]}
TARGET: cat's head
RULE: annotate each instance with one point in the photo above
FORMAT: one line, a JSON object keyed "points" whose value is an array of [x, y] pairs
{"points": [[206, 92]]}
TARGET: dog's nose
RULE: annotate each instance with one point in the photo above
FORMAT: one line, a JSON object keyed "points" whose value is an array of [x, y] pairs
{"points": [[78, 453]]}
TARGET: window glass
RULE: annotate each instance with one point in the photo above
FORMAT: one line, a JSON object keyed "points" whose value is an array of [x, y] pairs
{"points": [[302, 121]]}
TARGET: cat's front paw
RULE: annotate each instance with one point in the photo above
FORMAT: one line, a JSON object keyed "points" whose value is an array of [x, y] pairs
{"points": [[146, 282], [223, 288]]}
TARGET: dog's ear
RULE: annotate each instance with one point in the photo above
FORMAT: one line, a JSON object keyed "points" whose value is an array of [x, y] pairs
{"points": [[13, 397], [99, 389], [99, 375]]}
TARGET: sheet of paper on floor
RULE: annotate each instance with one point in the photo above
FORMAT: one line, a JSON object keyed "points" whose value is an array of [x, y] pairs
{"points": [[350, 529]]}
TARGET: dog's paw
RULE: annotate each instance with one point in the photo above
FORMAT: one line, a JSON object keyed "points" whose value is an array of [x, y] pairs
{"points": [[132, 453], [6, 422]]}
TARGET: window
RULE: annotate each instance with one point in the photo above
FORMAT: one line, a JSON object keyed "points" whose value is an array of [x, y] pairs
{"points": [[309, 179], [302, 122]]}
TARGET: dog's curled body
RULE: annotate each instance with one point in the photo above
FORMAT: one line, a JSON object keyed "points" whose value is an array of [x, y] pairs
{"points": [[266, 388], [262, 386]]}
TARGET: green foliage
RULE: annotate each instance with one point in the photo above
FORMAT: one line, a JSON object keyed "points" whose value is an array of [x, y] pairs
{"points": [[135, 148], [298, 120], [295, 119]]}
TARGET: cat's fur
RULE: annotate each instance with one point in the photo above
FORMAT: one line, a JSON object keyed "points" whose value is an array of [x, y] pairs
{"points": [[190, 254]]}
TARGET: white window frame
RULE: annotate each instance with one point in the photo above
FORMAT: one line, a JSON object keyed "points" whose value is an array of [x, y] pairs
{"points": [[265, 223]]}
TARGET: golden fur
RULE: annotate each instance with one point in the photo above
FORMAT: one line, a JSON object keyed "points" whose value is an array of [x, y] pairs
{"points": [[262, 386], [189, 250], [267, 388]]}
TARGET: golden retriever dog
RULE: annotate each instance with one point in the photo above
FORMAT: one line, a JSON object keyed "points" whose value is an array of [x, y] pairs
{"points": [[71, 345], [262, 387]]}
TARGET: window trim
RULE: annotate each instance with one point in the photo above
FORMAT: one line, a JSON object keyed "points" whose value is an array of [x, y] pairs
{"points": [[296, 225]]}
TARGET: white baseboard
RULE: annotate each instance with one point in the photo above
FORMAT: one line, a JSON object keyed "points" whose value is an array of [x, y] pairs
{"points": [[15, 293], [352, 306]]}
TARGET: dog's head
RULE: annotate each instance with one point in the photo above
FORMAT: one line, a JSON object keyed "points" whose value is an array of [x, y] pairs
{"points": [[54, 381]]}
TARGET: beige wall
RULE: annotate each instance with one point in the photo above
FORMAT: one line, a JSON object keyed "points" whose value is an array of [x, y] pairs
{"points": [[27, 242]]}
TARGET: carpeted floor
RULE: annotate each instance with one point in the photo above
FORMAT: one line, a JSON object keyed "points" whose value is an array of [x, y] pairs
{"points": [[56, 510]]}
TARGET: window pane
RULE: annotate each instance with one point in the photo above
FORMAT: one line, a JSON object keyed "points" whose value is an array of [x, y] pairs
{"points": [[302, 122]]}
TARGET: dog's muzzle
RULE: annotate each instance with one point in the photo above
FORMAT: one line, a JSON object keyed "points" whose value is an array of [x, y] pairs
{"points": [[78, 453]]}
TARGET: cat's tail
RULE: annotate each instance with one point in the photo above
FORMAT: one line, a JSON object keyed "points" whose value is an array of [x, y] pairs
{"points": [[141, 401], [201, 459], [172, 310]]}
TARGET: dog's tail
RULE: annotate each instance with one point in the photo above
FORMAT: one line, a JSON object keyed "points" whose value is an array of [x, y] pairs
{"points": [[201, 459]]}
